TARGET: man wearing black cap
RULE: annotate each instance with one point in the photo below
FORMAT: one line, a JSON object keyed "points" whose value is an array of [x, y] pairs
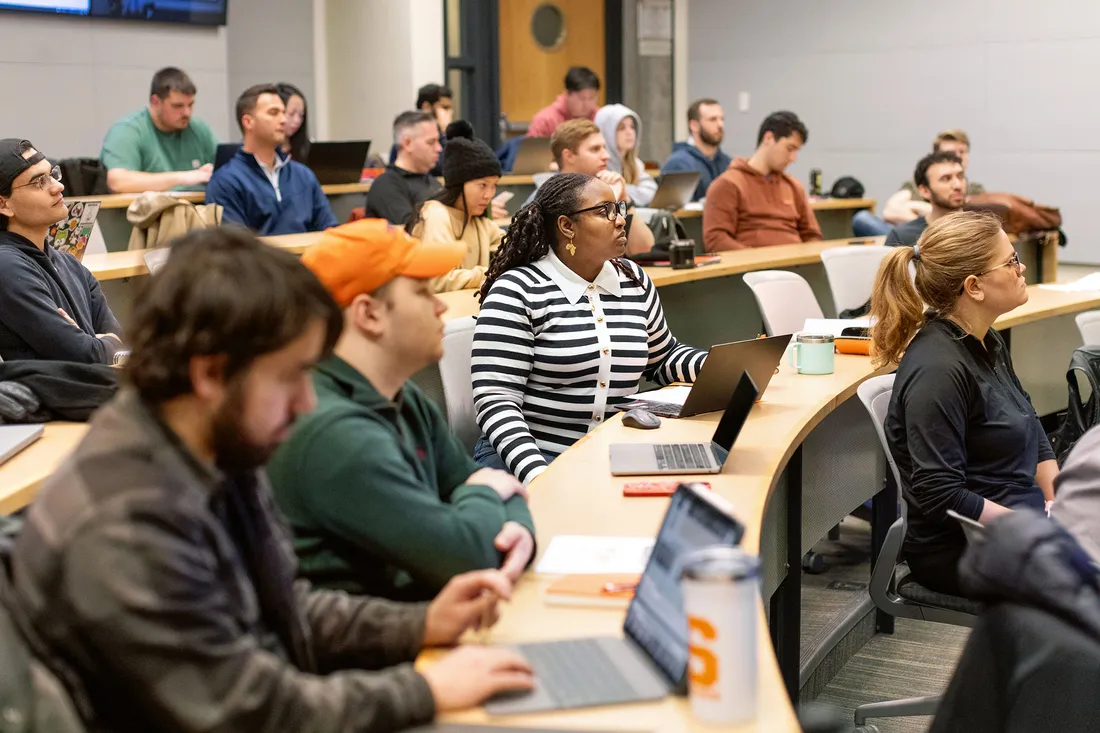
{"points": [[463, 209], [51, 307]]}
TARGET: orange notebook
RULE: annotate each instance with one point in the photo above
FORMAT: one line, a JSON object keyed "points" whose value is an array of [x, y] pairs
{"points": [[613, 590]]}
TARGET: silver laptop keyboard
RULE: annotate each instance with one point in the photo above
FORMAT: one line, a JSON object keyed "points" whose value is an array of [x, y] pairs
{"points": [[578, 673], [683, 456]]}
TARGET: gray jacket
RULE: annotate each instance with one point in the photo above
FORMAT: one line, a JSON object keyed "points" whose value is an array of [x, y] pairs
{"points": [[1077, 493]]}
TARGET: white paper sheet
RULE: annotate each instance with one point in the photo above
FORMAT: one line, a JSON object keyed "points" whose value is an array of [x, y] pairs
{"points": [[595, 555], [1086, 284], [834, 325], [667, 396]]}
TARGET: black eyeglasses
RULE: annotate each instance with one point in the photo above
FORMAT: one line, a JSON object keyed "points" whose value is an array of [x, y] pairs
{"points": [[611, 209], [42, 181], [1014, 262]]}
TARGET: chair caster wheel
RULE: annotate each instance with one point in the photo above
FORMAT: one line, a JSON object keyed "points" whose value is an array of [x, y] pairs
{"points": [[813, 563]]}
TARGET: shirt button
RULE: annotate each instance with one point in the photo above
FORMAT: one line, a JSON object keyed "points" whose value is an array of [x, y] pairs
{"points": [[599, 319], [603, 384], [591, 287], [597, 418], [607, 351]]}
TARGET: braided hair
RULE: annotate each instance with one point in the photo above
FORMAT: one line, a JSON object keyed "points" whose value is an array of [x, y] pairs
{"points": [[533, 231]]}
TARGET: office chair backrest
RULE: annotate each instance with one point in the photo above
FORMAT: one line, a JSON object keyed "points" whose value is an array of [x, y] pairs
{"points": [[785, 300], [454, 368], [1088, 324], [875, 395], [851, 272]]}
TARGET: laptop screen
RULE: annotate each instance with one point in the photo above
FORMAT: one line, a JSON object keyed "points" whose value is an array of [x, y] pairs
{"points": [[656, 619], [733, 419]]}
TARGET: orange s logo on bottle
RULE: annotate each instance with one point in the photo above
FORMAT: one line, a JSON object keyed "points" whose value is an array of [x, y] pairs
{"points": [[703, 665]]}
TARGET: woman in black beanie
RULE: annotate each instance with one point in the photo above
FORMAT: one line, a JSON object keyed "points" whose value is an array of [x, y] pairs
{"points": [[461, 211]]}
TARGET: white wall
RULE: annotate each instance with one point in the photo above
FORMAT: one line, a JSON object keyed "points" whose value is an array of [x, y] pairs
{"points": [[377, 54], [66, 80], [875, 81], [269, 41]]}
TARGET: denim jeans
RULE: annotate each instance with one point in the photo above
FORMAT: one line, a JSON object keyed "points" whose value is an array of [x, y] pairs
{"points": [[486, 456], [866, 224]]}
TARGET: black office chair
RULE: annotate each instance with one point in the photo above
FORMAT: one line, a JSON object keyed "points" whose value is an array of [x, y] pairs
{"points": [[892, 589]]}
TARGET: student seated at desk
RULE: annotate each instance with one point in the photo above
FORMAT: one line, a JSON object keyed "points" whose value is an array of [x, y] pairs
{"points": [[567, 328], [435, 100], [160, 147], [622, 130], [941, 179], [580, 100], [402, 189], [155, 569], [910, 202], [297, 122], [261, 187], [464, 211], [383, 499], [960, 426], [578, 146], [755, 203], [51, 307], [702, 152]]}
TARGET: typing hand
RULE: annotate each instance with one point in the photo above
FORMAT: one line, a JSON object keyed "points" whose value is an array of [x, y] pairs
{"points": [[518, 545], [505, 484], [472, 674], [468, 601], [198, 176]]}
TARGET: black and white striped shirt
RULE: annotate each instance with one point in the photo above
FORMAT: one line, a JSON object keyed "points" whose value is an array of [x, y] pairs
{"points": [[553, 354]]}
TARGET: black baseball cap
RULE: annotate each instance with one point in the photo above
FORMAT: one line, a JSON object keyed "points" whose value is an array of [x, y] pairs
{"points": [[12, 162]]}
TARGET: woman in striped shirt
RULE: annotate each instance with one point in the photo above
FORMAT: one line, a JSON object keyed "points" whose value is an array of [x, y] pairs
{"points": [[567, 328]]}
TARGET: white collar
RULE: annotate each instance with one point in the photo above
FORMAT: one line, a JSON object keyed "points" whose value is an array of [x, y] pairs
{"points": [[572, 285]]}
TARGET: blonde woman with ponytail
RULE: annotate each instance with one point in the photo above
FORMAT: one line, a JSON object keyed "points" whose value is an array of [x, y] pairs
{"points": [[960, 426]]}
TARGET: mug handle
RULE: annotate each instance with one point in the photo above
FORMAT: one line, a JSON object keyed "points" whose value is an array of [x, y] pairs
{"points": [[793, 357]]}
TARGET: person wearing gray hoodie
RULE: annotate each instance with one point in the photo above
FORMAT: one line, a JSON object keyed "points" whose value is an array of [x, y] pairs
{"points": [[622, 130]]}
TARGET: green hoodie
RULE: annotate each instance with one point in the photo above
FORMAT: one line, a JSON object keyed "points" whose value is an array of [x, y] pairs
{"points": [[374, 491]]}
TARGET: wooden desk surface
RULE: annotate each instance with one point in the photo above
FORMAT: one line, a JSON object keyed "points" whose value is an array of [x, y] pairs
{"points": [[130, 263], [815, 204], [123, 200], [461, 303], [23, 475]]}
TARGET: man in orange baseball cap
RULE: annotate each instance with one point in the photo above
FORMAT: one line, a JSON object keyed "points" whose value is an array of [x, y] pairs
{"points": [[383, 498]]}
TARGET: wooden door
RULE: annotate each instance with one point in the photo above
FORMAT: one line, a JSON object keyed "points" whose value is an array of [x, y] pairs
{"points": [[531, 75]]}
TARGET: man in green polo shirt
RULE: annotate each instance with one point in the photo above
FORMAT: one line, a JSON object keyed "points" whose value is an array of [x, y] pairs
{"points": [[160, 147], [381, 496]]}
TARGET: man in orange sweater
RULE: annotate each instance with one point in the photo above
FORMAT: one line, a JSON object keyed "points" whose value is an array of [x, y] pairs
{"points": [[754, 203]]}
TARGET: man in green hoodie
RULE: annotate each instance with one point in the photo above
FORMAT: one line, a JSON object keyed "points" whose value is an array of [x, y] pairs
{"points": [[382, 497]]}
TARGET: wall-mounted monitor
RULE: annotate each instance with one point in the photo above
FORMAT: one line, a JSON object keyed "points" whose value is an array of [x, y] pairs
{"points": [[196, 12]]}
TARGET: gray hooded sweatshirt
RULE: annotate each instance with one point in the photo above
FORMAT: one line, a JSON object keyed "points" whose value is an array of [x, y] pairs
{"points": [[608, 119]]}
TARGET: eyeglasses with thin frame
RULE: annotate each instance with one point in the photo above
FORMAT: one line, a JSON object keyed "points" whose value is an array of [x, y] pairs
{"points": [[1014, 262], [610, 209], [42, 181]]}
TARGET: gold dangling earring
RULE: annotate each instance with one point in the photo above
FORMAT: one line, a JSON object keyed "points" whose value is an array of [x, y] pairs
{"points": [[571, 247]]}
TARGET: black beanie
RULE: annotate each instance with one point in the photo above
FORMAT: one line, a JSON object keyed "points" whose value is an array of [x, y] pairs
{"points": [[466, 158]]}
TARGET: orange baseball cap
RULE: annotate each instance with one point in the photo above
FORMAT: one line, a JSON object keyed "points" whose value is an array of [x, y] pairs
{"points": [[364, 255]]}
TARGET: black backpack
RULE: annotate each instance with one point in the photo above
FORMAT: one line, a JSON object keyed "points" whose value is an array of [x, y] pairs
{"points": [[1078, 417], [83, 177], [847, 187]]}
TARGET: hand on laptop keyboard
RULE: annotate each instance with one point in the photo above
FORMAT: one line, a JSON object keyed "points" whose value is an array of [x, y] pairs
{"points": [[472, 674]]}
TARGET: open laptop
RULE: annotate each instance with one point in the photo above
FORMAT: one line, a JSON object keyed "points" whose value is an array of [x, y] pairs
{"points": [[338, 162], [224, 153], [72, 233], [718, 377], [675, 190], [532, 156], [16, 438], [650, 660], [649, 459]]}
